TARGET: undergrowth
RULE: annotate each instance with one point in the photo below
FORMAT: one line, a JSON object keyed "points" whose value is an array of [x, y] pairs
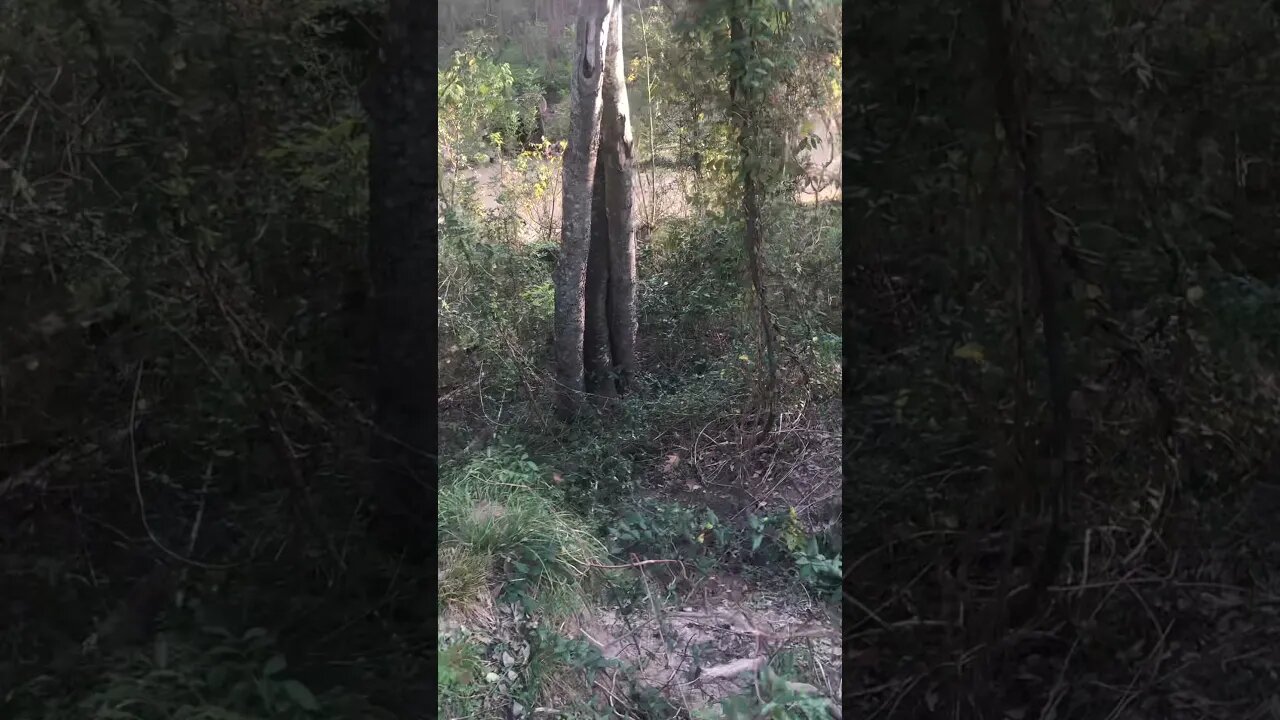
{"points": [[557, 504], [543, 508]]}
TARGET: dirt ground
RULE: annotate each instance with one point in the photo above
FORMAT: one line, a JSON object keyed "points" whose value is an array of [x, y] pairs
{"points": [[730, 622]]}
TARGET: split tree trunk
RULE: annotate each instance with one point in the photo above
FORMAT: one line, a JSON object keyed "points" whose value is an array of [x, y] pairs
{"points": [[595, 315], [579, 171], [399, 97]]}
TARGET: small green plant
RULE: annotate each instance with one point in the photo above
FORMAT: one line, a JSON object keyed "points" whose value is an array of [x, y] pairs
{"points": [[667, 529], [459, 672], [781, 529], [213, 674], [776, 698], [817, 566], [476, 98], [573, 652], [823, 574]]}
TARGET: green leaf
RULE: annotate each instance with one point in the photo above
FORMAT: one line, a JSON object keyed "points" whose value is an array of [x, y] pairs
{"points": [[971, 351], [274, 665], [300, 695]]}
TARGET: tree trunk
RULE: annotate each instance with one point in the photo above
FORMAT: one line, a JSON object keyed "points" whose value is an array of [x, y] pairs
{"points": [[744, 101], [1023, 138], [398, 97], [579, 180], [595, 277], [597, 358], [617, 152]]}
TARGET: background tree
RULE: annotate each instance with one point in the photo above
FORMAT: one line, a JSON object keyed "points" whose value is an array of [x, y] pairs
{"points": [[401, 224], [747, 94], [1015, 397], [1040, 478], [761, 64]]}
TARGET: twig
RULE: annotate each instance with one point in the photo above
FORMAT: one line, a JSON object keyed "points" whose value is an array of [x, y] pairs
{"points": [[299, 486], [195, 526], [633, 564], [137, 486], [172, 95], [657, 616]]}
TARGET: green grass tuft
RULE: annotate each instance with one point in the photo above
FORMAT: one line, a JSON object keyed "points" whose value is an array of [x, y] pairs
{"points": [[498, 512]]}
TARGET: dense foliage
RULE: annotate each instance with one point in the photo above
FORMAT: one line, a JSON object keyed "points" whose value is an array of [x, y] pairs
{"points": [[1158, 152], [183, 433]]}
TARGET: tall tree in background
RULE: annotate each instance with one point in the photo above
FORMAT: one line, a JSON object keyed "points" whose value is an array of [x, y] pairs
{"points": [[398, 96], [595, 313], [747, 93], [1041, 281], [557, 17]]}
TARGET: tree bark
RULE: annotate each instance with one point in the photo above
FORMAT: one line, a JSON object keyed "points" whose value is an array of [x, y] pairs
{"points": [[579, 176], [597, 357], [616, 146], [596, 319], [1010, 39], [399, 97], [744, 102]]}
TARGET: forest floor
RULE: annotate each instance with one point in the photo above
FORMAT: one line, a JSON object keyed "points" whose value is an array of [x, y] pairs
{"points": [[800, 470], [1179, 623], [707, 535], [1167, 604], [692, 626]]}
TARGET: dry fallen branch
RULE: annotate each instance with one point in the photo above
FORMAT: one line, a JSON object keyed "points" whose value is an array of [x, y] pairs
{"points": [[137, 487], [634, 564], [734, 668]]}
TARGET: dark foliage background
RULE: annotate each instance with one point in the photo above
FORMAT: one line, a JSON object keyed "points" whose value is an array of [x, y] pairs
{"points": [[181, 306], [1159, 155]]}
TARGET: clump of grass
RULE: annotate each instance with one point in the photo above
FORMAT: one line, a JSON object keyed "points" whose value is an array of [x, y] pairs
{"points": [[462, 576], [499, 513]]}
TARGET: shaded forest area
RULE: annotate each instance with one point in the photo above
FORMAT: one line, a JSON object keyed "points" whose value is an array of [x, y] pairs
{"points": [[184, 352], [1062, 342]]}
